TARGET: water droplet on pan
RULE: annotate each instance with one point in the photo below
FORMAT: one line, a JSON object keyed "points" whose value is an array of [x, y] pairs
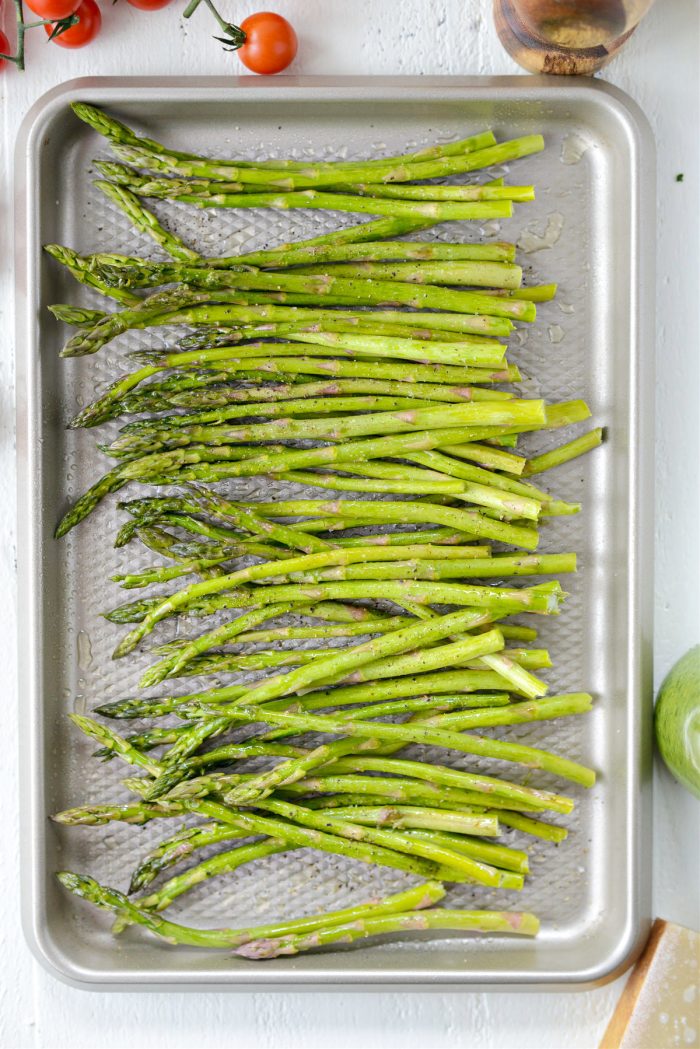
{"points": [[573, 147], [84, 650], [530, 240]]}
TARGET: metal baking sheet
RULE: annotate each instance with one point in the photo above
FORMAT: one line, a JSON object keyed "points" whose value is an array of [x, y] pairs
{"points": [[590, 230]]}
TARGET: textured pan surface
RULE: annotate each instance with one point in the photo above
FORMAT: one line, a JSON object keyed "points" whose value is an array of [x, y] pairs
{"points": [[588, 230]]}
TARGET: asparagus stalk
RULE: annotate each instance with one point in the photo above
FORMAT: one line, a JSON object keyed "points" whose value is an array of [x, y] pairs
{"points": [[315, 199], [102, 896], [152, 158], [80, 271], [443, 656], [487, 413], [520, 713], [270, 399], [320, 174], [394, 790], [440, 918], [404, 372], [289, 633], [137, 813], [564, 453], [272, 409], [368, 250], [175, 188], [210, 335], [470, 351], [401, 191], [477, 274], [210, 308], [488, 457], [179, 846], [445, 464], [219, 462], [495, 599], [210, 702], [394, 512], [537, 828], [118, 133], [437, 568], [406, 817], [221, 863], [406, 733], [364, 293], [372, 553], [79, 316], [374, 229], [145, 221]]}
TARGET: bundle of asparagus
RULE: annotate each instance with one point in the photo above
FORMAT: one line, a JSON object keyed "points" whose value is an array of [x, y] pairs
{"points": [[350, 362]]}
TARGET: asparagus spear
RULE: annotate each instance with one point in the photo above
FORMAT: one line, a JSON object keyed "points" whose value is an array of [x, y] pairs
{"points": [[394, 790], [179, 846], [364, 293], [439, 918], [401, 191], [221, 863], [209, 702], [503, 599], [476, 274], [436, 568], [225, 862], [355, 249], [371, 553], [402, 372], [438, 211], [208, 397], [407, 817], [473, 351], [413, 733], [219, 313], [488, 413], [374, 229], [134, 813], [102, 896], [564, 453], [79, 316], [220, 462], [471, 647], [174, 188], [444, 858], [79, 270], [320, 174], [118, 132], [145, 221]]}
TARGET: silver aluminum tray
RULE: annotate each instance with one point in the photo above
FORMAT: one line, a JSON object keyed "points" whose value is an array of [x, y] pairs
{"points": [[595, 181]]}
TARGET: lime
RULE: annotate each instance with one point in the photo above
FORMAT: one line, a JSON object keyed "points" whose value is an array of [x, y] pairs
{"points": [[677, 720]]}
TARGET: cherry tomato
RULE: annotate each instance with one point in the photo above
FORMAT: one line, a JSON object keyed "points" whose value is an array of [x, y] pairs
{"points": [[148, 5], [270, 44], [53, 9], [83, 31], [4, 48]]}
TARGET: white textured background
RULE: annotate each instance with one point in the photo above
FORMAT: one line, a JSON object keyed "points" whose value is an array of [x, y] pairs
{"points": [[659, 68]]}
